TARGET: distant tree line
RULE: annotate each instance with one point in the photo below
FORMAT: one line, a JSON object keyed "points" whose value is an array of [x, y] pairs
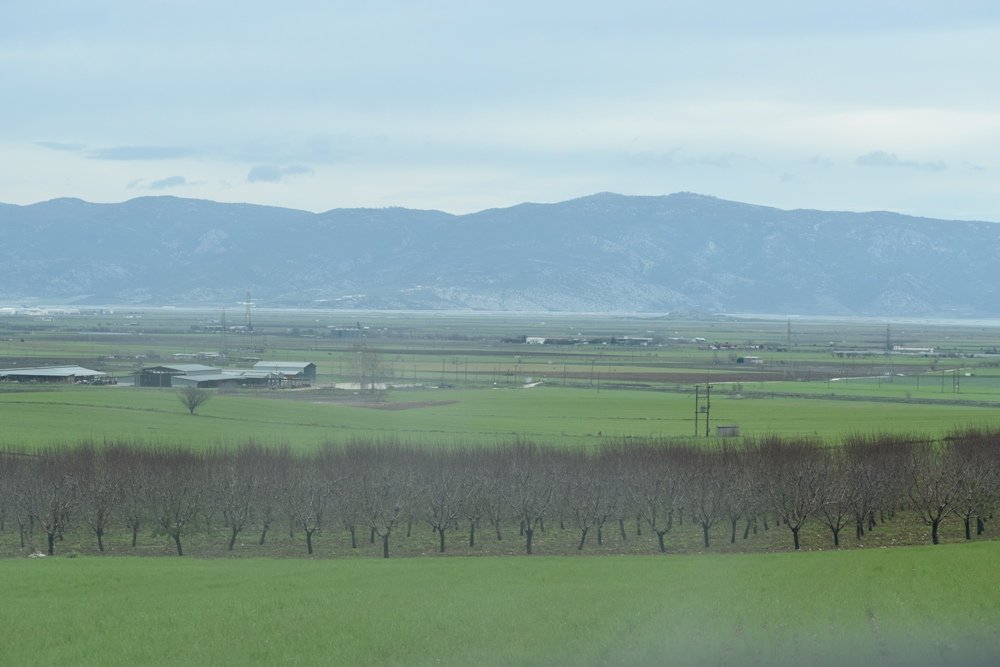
{"points": [[373, 490]]}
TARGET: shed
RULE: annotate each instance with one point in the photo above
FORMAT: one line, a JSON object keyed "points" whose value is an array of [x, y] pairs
{"points": [[229, 378], [66, 374], [161, 376], [291, 370], [727, 431]]}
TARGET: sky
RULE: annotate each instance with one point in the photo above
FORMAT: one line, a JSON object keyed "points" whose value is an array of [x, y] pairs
{"points": [[474, 104]]}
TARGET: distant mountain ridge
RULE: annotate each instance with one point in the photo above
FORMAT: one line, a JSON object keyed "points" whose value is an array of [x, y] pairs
{"points": [[605, 252]]}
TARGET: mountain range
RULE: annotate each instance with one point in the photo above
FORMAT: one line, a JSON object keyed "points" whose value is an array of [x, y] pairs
{"points": [[602, 253]]}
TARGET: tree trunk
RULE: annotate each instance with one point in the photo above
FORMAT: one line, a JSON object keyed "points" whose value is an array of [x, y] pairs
{"points": [[600, 534], [659, 536], [583, 538], [177, 541], [385, 545], [135, 534], [732, 532], [968, 527], [309, 541], [795, 537], [934, 531], [440, 532], [263, 534], [980, 525], [100, 540], [354, 536], [371, 538], [621, 529], [52, 540], [836, 536], [472, 533], [232, 537], [704, 534], [528, 534]]}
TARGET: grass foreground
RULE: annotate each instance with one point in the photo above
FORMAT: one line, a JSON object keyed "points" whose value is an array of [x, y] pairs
{"points": [[902, 606]]}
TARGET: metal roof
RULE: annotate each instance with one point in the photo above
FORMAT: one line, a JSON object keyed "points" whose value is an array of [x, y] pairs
{"points": [[51, 371], [227, 375], [299, 365], [185, 368]]}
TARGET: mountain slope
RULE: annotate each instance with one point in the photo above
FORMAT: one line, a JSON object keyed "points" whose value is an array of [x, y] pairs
{"points": [[599, 253]]}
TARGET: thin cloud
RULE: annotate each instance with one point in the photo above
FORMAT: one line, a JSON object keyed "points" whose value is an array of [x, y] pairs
{"points": [[269, 173], [169, 182], [884, 159], [60, 146], [140, 153]]}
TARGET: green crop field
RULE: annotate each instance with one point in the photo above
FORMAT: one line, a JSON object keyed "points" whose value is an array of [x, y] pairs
{"points": [[904, 606], [548, 415]]}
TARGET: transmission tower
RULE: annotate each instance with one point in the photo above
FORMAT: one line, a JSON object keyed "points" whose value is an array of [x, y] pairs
{"points": [[248, 317]]}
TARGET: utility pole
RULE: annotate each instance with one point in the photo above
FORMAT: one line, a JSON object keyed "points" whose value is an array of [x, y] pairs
{"points": [[708, 406], [696, 407]]}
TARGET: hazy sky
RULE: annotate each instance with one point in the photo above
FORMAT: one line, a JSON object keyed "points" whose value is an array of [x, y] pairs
{"points": [[460, 106]]}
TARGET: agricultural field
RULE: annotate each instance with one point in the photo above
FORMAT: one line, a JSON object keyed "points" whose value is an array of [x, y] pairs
{"points": [[905, 606], [547, 415], [470, 378], [471, 381]]}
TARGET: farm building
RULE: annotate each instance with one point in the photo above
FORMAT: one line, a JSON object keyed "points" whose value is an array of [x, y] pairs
{"points": [[727, 431], [291, 370], [161, 376], [229, 378], [64, 374]]}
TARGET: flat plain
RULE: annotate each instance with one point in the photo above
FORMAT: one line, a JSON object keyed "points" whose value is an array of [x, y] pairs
{"points": [[471, 380]]}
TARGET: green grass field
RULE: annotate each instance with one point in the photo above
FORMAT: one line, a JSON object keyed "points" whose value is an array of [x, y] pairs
{"points": [[905, 606], [555, 415]]}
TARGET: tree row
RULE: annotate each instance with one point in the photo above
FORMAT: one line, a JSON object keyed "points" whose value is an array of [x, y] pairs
{"points": [[371, 489]]}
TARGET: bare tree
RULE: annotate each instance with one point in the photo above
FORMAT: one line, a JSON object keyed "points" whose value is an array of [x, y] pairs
{"points": [[386, 485], [133, 471], [51, 491], [368, 367], [177, 493], [193, 397], [656, 480], [100, 490], [445, 491], [836, 501], [973, 461], [795, 473], [530, 491], [237, 480], [306, 493], [705, 485], [933, 490]]}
